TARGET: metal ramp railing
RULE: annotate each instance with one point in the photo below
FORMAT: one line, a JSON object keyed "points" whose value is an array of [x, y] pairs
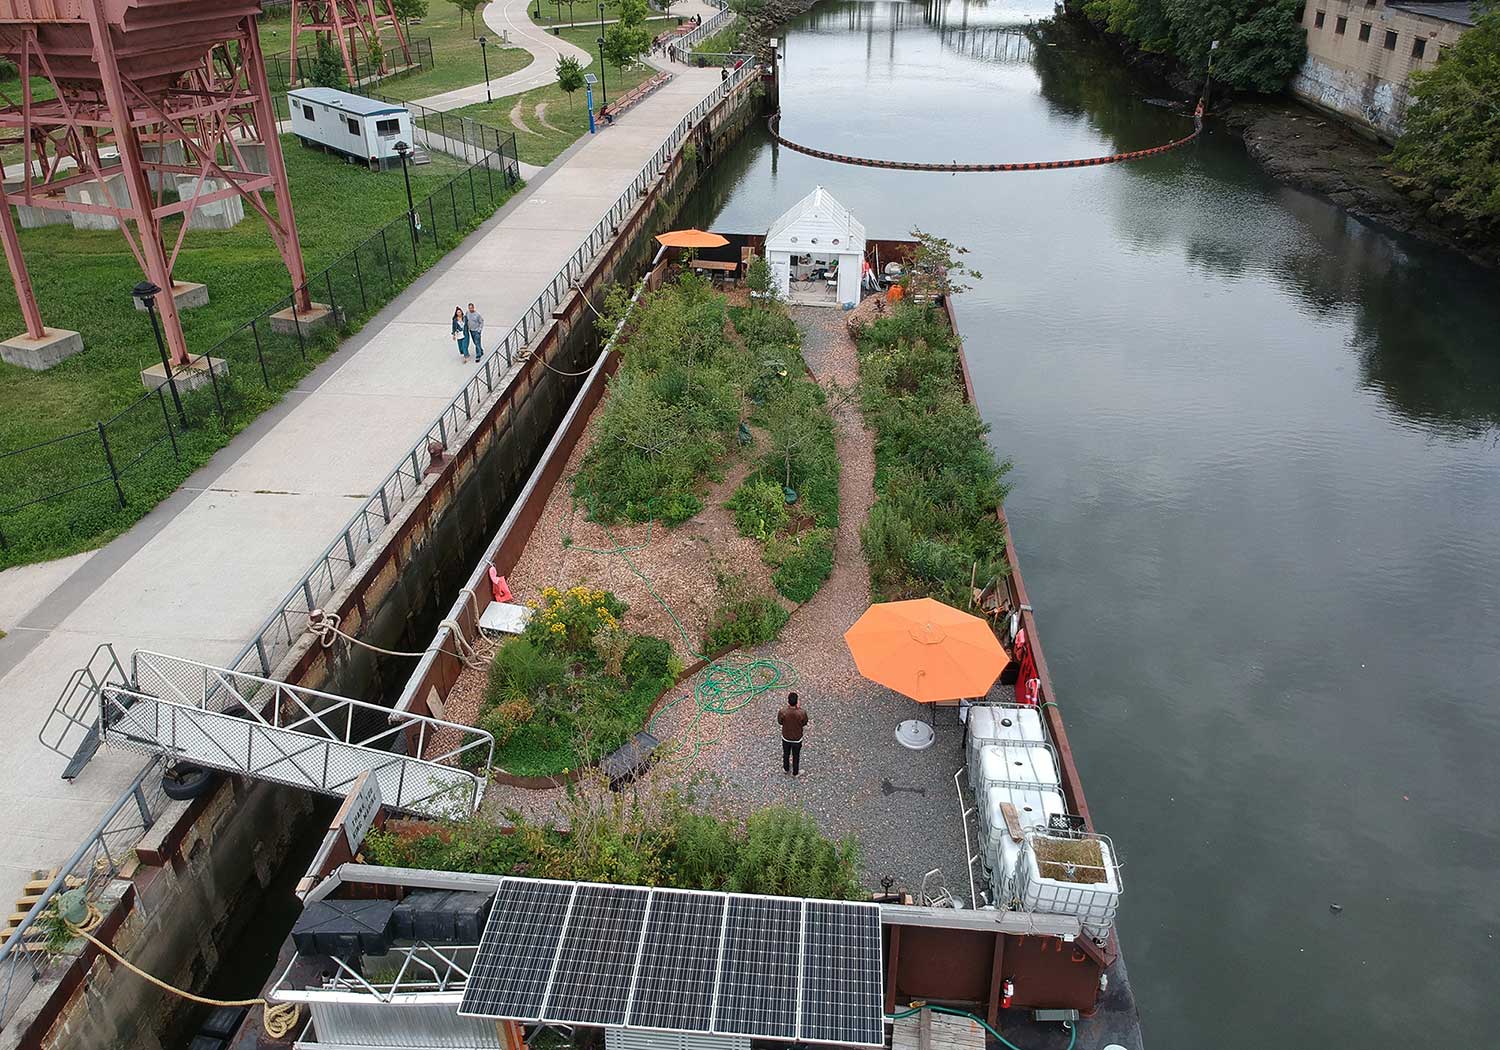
{"points": [[258, 727], [72, 726]]}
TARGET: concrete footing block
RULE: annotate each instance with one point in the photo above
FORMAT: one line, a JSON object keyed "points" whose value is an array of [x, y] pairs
{"points": [[284, 323], [188, 295], [56, 344], [93, 192], [216, 215], [188, 377], [33, 218]]}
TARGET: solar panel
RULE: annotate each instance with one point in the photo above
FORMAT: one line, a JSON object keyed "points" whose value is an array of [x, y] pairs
{"points": [[527, 920], [842, 998], [681, 961], [758, 981], [597, 960], [674, 987]]}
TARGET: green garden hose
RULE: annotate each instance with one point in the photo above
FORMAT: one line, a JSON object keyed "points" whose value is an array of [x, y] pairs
{"points": [[1072, 1029], [725, 686]]}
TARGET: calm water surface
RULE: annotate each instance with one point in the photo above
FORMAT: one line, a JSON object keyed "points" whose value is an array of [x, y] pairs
{"points": [[1257, 467]]}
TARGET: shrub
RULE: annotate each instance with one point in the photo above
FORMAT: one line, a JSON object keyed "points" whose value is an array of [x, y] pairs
{"points": [[648, 659], [759, 508], [568, 621], [521, 669], [743, 622], [802, 564]]}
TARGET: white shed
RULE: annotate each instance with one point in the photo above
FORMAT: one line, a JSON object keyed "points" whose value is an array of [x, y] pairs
{"points": [[816, 251], [359, 127]]}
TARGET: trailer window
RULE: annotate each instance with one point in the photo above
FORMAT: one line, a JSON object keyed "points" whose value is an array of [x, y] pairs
{"points": [[388, 127], [353, 125], [307, 113]]}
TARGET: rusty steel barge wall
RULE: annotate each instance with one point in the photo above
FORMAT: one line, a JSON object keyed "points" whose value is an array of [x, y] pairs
{"points": [[190, 895]]}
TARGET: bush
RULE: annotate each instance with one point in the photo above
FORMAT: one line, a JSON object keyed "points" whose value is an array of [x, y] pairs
{"points": [[742, 623], [802, 564], [569, 621], [648, 659], [759, 508]]}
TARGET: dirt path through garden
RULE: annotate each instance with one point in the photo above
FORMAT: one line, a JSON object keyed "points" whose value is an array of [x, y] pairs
{"points": [[518, 121], [541, 116]]}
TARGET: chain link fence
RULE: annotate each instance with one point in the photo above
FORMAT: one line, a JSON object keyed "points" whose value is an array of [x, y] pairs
{"points": [[143, 452], [285, 71]]}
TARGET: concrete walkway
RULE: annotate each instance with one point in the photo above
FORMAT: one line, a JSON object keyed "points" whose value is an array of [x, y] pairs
{"points": [[509, 17], [198, 575]]}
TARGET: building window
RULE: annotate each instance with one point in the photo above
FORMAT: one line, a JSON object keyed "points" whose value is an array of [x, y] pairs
{"points": [[1318, 20], [1364, 32], [1390, 40], [307, 113], [1341, 25], [1418, 47], [388, 127], [353, 125]]}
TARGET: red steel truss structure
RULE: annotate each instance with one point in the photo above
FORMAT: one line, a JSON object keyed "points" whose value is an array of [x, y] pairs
{"points": [[349, 22], [145, 90]]}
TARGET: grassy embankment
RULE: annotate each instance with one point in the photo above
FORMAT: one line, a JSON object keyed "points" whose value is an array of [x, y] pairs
{"points": [[567, 115], [83, 280], [457, 61]]}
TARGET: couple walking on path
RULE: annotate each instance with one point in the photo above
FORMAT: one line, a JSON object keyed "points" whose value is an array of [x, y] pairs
{"points": [[468, 328]]}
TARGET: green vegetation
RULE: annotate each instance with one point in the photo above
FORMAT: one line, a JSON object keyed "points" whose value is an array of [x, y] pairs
{"points": [[83, 280], [569, 74], [538, 143], [1261, 42], [642, 837], [569, 14], [456, 59], [723, 42], [742, 619], [937, 486], [627, 38], [574, 686], [1450, 149]]}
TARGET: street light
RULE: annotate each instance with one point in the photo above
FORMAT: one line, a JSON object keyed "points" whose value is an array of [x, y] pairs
{"points": [[603, 80], [147, 292], [402, 149], [485, 56]]}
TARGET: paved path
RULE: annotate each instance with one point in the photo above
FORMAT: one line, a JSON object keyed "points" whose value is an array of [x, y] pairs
{"points": [[197, 575], [509, 17]]}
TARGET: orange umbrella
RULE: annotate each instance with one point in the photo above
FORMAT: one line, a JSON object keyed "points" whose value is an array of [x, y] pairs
{"points": [[691, 239], [926, 650]]}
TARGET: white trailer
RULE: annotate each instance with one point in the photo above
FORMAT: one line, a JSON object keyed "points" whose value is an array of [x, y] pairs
{"points": [[362, 128]]}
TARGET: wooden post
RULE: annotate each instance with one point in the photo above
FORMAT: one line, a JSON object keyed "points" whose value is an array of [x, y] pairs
{"points": [[997, 971]]}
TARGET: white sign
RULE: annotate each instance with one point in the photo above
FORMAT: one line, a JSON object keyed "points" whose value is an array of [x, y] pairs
{"points": [[360, 808]]}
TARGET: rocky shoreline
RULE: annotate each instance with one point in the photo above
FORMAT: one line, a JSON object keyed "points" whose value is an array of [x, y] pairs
{"points": [[1312, 151]]}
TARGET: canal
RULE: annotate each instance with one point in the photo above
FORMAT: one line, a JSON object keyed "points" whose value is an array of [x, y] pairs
{"points": [[1257, 483]]}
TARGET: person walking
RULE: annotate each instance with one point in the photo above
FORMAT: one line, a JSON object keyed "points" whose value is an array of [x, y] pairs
{"points": [[474, 322], [793, 720], [461, 331]]}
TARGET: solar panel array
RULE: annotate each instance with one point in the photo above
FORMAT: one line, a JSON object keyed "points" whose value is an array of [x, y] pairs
{"points": [[681, 961]]}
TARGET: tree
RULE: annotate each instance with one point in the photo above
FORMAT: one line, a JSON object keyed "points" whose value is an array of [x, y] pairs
{"points": [[937, 268], [758, 278], [470, 8], [406, 10], [569, 74], [1450, 143], [629, 38], [328, 67]]}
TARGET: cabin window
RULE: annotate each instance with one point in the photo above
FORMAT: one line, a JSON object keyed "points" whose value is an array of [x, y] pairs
{"points": [[1390, 40], [1418, 47], [1364, 32], [1341, 25], [307, 113], [1318, 20], [388, 127], [353, 125]]}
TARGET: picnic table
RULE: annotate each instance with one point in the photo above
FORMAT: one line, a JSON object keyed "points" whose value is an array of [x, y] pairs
{"points": [[727, 270]]}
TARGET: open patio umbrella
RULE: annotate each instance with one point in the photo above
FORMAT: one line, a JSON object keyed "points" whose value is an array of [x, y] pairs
{"points": [[928, 651], [691, 239]]}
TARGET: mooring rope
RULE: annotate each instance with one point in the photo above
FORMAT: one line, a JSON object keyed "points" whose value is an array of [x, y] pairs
{"points": [[774, 123]]}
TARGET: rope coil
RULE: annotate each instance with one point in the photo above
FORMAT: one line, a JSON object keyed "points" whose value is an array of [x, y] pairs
{"points": [[774, 124]]}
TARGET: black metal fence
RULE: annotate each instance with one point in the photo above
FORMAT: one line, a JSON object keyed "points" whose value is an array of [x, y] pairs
{"points": [[141, 454], [283, 71]]}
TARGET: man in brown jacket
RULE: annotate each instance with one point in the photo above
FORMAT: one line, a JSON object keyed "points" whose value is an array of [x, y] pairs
{"points": [[793, 720]]}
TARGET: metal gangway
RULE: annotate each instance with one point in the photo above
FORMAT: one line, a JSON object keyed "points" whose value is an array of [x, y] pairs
{"points": [[258, 727]]}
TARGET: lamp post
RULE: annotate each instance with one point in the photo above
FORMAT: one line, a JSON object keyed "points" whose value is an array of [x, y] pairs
{"points": [[486, 58], [589, 80], [402, 149], [538, 10], [603, 78], [147, 292]]}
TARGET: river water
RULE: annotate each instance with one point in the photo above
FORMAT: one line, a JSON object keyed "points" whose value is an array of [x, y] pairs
{"points": [[1257, 490]]}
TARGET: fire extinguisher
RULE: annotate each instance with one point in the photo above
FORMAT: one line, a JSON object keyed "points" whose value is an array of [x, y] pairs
{"points": [[1008, 992]]}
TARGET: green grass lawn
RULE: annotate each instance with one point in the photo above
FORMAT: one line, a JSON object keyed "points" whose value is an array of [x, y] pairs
{"points": [[455, 51], [82, 281], [567, 114], [587, 11]]}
